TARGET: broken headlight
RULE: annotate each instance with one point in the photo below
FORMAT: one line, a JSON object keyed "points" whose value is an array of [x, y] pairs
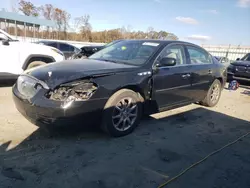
{"points": [[74, 91], [29, 86]]}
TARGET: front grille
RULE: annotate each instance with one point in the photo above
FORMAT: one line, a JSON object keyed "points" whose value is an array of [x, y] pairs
{"points": [[241, 69]]}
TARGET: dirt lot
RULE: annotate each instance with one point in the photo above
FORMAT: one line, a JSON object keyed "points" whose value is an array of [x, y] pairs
{"points": [[160, 148]]}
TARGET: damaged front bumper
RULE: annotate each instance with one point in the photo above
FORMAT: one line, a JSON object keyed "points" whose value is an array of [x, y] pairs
{"points": [[40, 110]]}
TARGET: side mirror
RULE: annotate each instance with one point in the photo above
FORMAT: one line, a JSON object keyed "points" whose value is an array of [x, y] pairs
{"points": [[166, 62], [4, 39], [237, 59], [5, 42]]}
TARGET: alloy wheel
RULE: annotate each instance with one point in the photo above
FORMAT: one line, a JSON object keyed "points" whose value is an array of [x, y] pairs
{"points": [[124, 114], [215, 94]]}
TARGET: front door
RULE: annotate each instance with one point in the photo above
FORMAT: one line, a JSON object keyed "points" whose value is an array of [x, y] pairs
{"points": [[171, 85]]}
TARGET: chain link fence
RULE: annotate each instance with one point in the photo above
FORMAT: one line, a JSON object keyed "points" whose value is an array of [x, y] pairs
{"points": [[231, 52]]}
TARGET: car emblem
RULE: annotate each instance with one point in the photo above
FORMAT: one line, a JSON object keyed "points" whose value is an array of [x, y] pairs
{"points": [[50, 73]]}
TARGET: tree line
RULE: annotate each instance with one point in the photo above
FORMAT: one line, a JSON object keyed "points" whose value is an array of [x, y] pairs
{"points": [[81, 26]]}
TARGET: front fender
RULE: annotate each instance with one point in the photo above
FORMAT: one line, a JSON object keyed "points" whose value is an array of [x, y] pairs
{"points": [[108, 85]]}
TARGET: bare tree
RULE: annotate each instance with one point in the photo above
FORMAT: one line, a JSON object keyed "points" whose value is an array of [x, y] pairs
{"points": [[123, 31], [172, 36], [150, 32], [85, 27], [77, 22], [14, 7], [47, 11], [58, 18], [65, 21], [163, 35], [28, 8], [129, 28]]}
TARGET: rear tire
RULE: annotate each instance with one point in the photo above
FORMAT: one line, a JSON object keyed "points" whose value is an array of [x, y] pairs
{"points": [[35, 64], [213, 94], [122, 113]]}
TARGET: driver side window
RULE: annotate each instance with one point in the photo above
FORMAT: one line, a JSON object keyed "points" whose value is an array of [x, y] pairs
{"points": [[173, 51]]}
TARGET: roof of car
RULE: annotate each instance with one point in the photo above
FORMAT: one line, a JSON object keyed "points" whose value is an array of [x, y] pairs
{"points": [[49, 42], [159, 40]]}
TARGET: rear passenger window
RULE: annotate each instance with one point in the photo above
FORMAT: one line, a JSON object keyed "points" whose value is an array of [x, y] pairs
{"points": [[173, 51], [198, 56]]}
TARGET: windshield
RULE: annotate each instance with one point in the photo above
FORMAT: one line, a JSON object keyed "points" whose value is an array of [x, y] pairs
{"points": [[111, 43], [128, 52], [246, 57]]}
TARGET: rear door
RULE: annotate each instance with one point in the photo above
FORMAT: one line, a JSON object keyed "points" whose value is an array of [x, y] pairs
{"points": [[202, 68], [171, 85]]}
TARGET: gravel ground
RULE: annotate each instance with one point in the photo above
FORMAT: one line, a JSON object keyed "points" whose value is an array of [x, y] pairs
{"points": [[161, 147]]}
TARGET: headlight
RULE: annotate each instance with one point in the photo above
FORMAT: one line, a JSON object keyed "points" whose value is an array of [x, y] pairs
{"points": [[74, 91], [29, 86]]}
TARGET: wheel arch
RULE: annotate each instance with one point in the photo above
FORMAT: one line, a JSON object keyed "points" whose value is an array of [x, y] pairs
{"points": [[37, 57], [134, 88], [222, 81]]}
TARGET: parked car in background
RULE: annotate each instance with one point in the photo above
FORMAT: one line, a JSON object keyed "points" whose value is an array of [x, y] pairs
{"points": [[89, 50], [240, 69], [67, 49], [17, 56], [86, 51], [119, 84]]}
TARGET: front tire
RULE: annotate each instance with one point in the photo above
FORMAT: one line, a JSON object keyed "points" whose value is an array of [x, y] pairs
{"points": [[122, 113], [213, 94]]}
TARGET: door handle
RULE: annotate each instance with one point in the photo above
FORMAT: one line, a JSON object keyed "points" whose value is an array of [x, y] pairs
{"points": [[185, 75], [210, 71]]}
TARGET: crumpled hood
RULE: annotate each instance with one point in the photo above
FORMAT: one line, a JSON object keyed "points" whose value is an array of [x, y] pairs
{"points": [[57, 73], [241, 63]]}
